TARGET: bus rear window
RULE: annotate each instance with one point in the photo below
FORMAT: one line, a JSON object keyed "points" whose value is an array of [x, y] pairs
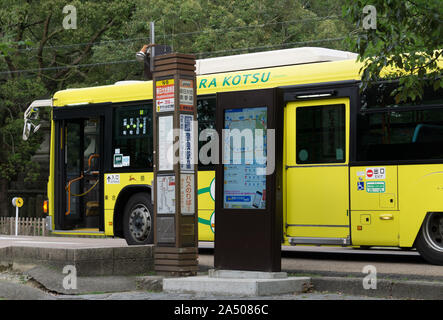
{"points": [[206, 123]]}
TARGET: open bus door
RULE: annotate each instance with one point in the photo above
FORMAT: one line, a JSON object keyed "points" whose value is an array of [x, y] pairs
{"points": [[79, 161]]}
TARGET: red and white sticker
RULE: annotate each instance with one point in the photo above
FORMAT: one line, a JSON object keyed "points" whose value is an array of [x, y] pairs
{"points": [[165, 95], [378, 173]]}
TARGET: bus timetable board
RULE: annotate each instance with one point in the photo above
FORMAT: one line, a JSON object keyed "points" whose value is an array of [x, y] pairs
{"points": [[244, 161], [249, 198]]}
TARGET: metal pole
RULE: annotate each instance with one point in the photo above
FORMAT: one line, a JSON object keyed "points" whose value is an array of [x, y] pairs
{"points": [[16, 221], [153, 47]]}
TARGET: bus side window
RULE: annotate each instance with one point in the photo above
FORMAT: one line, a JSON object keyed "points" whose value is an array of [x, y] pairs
{"points": [[206, 120], [321, 134], [132, 137], [406, 135]]}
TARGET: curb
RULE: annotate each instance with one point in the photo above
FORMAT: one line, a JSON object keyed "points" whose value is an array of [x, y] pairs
{"points": [[53, 281], [108, 261], [386, 288]]}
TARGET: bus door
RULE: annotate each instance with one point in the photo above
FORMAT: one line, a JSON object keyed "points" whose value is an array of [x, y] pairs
{"points": [[317, 171], [79, 172]]}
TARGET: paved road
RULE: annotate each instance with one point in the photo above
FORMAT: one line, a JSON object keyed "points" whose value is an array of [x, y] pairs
{"points": [[389, 262]]}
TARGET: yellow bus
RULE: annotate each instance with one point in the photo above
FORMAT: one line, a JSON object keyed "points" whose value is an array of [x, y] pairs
{"points": [[358, 169]]}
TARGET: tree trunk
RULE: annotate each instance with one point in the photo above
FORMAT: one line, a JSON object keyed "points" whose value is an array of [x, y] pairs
{"points": [[3, 197]]}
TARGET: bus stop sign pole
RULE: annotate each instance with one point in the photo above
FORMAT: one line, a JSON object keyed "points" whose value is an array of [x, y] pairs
{"points": [[17, 202], [175, 171]]}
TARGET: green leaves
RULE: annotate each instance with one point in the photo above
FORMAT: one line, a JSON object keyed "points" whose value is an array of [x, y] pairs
{"points": [[407, 44], [15, 154], [39, 57]]}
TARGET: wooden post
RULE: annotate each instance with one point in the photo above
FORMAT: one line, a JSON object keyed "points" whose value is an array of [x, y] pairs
{"points": [[175, 170]]}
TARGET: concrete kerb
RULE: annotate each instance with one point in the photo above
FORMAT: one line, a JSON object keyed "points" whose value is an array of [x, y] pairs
{"points": [[88, 261], [386, 288], [54, 282]]}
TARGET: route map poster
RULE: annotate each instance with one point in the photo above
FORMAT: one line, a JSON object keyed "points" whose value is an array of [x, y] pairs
{"points": [[244, 159], [166, 191]]}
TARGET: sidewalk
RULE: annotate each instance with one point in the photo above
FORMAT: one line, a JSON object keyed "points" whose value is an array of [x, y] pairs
{"points": [[17, 287], [42, 283]]}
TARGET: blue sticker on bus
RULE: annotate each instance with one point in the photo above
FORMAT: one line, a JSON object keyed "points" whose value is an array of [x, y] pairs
{"points": [[360, 185]]}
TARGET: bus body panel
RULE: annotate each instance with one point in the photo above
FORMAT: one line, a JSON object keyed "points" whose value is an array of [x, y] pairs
{"points": [[375, 228], [420, 191], [206, 205], [373, 191], [375, 218], [114, 184]]}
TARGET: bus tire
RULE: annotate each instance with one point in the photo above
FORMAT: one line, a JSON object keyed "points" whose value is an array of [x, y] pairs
{"points": [[429, 242], [138, 220]]}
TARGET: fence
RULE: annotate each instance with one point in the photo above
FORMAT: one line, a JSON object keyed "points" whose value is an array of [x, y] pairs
{"points": [[26, 226]]}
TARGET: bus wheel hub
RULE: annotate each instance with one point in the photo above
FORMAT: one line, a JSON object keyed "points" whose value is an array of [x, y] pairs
{"points": [[140, 222]]}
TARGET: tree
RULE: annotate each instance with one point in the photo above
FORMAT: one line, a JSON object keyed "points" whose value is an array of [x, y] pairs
{"points": [[38, 56], [406, 43], [37, 59]]}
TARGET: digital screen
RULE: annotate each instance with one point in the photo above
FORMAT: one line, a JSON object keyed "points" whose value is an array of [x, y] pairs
{"points": [[132, 122], [244, 158]]}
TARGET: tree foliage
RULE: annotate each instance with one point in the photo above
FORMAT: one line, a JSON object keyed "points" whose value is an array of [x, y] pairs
{"points": [[407, 44], [38, 56]]}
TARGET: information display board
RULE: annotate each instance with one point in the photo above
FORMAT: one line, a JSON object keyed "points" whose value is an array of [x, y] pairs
{"points": [[248, 198], [132, 122], [244, 158]]}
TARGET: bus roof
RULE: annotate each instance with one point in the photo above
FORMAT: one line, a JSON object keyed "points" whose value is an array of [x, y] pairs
{"points": [[264, 70], [269, 59]]}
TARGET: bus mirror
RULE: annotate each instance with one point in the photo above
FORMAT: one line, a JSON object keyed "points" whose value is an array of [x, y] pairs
{"points": [[31, 113], [36, 127], [26, 130]]}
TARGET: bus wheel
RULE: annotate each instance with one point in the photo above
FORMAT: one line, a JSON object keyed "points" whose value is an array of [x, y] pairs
{"points": [[138, 224], [430, 238]]}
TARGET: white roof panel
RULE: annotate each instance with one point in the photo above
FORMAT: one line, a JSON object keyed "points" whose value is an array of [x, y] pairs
{"points": [[268, 59]]}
